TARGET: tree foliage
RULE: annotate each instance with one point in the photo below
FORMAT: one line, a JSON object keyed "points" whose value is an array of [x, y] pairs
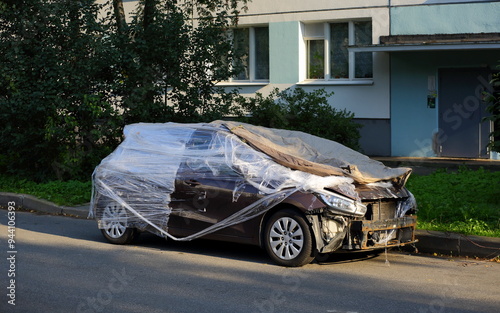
{"points": [[171, 61], [69, 80], [54, 87]]}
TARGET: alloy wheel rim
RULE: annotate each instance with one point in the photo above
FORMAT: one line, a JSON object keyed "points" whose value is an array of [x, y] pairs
{"points": [[114, 219], [286, 238]]}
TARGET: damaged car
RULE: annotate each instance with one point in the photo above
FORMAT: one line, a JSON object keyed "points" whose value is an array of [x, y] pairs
{"points": [[295, 195]]}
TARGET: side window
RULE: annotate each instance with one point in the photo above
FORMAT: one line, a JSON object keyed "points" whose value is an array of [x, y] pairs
{"points": [[195, 155], [205, 157]]}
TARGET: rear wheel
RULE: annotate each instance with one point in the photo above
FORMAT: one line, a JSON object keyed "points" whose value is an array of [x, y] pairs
{"points": [[288, 239], [114, 224]]}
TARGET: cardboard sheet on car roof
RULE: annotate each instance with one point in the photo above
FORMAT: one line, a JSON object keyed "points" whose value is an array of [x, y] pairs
{"points": [[315, 155]]}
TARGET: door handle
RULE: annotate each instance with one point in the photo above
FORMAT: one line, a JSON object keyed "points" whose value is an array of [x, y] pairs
{"points": [[192, 183]]}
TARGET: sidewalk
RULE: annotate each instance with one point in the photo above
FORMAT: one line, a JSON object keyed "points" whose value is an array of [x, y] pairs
{"points": [[432, 242]]}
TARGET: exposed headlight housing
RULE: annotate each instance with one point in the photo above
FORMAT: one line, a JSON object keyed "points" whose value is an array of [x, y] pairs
{"points": [[342, 205]]}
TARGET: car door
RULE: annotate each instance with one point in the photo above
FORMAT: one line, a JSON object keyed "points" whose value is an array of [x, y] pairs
{"points": [[208, 190]]}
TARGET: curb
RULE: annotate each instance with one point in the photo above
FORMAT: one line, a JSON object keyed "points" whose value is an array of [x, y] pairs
{"points": [[454, 244], [433, 242], [31, 203]]}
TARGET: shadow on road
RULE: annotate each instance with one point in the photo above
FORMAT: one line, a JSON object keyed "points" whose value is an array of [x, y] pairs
{"points": [[212, 248], [81, 229], [346, 257]]}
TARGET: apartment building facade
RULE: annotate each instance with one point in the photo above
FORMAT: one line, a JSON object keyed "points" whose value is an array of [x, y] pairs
{"points": [[412, 71]]}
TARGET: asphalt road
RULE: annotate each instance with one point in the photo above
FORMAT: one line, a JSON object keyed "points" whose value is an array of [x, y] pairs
{"points": [[62, 264]]}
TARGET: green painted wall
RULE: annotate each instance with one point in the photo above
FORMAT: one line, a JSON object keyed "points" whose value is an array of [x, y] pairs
{"points": [[446, 19], [284, 52]]}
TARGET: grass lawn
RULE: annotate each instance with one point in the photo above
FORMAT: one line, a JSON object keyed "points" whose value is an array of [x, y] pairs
{"points": [[68, 193], [466, 201]]}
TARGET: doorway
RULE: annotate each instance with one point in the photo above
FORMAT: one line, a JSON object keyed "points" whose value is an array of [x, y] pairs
{"points": [[461, 110]]}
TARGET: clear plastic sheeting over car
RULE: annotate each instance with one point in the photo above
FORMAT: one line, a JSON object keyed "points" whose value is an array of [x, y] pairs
{"points": [[402, 208], [143, 173]]}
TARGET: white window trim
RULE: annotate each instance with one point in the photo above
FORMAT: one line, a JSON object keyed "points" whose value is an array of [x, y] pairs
{"points": [[326, 30], [336, 82]]}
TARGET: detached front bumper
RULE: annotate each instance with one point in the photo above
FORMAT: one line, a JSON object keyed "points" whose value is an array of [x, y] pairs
{"points": [[367, 235]]}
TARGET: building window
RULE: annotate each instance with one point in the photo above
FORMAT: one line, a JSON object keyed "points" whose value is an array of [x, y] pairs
{"points": [[363, 60], [327, 55], [339, 57], [252, 46], [315, 59]]}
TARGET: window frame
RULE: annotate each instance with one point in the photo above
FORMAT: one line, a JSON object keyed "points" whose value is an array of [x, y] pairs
{"points": [[326, 37], [252, 58]]}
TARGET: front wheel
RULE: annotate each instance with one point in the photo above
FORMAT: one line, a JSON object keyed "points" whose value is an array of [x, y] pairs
{"points": [[288, 240], [114, 225]]}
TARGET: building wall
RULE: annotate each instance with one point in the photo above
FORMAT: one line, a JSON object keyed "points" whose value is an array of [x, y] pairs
{"points": [[284, 37], [375, 136], [413, 124], [440, 17], [369, 101], [288, 52]]}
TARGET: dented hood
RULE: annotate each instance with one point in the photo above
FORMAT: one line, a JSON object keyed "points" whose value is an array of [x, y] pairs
{"points": [[318, 156]]}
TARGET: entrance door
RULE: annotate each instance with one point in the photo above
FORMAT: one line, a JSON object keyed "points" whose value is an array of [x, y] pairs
{"points": [[461, 111]]}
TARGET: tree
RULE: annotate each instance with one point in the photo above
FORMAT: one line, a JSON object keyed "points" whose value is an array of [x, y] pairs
{"points": [[173, 54], [54, 82], [70, 81]]}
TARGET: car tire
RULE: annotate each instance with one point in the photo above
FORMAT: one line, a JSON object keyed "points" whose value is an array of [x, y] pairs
{"points": [[288, 239], [114, 221]]}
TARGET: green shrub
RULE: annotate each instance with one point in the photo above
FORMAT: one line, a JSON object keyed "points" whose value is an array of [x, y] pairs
{"points": [[310, 112], [56, 108]]}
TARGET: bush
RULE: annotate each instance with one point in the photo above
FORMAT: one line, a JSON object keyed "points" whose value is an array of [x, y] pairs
{"points": [[296, 109]]}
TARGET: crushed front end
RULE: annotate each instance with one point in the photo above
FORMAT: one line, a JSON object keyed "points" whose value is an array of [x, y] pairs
{"points": [[385, 217], [388, 223]]}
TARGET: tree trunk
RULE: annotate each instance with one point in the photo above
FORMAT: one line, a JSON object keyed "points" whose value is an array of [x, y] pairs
{"points": [[119, 11]]}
